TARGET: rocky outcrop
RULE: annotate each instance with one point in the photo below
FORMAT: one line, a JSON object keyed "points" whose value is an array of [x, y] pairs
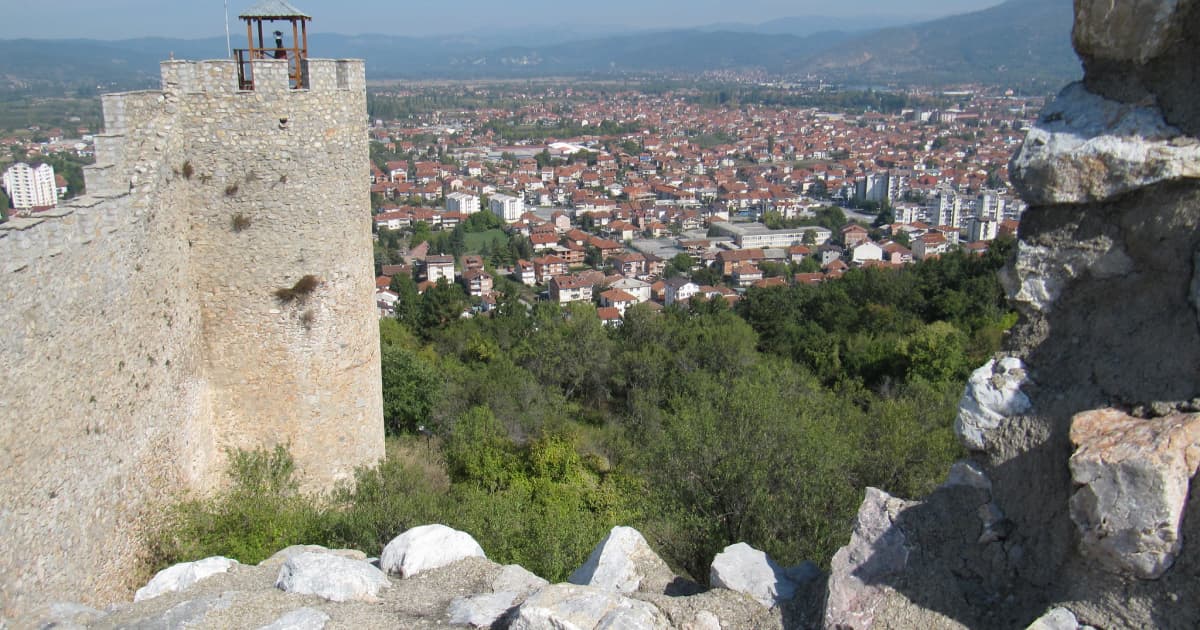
{"points": [[878, 549], [1131, 30], [1133, 476], [1088, 149]]}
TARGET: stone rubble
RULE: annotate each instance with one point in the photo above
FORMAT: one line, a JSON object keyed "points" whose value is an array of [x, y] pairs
{"points": [[308, 587]]}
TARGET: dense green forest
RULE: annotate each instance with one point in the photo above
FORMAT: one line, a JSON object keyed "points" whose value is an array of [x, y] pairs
{"points": [[537, 428]]}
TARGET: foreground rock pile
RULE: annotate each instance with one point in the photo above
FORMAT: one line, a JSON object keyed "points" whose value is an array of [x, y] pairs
{"points": [[433, 576]]}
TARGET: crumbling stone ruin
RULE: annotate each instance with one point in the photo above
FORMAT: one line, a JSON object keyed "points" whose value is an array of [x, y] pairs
{"points": [[1085, 433]]}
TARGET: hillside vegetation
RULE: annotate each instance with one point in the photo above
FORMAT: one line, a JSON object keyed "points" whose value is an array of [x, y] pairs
{"points": [[538, 429]]}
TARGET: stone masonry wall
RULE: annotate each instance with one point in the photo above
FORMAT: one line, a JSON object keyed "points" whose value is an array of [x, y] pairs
{"points": [[141, 335], [289, 166]]}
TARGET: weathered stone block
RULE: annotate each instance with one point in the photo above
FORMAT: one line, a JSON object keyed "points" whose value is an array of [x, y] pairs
{"points": [[1086, 148], [859, 573], [563, 606], [1126, 30], [1134, 475]]}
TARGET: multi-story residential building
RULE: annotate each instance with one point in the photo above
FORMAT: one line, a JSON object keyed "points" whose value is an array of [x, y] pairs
{"points": [[982, 229], [478, 282], [438, 267], [31, 186], [679, 289], [565, 289], [462, 203], [507, 207], [524, 273]]}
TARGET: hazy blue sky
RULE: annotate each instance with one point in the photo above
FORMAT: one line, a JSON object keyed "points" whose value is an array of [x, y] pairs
{"points": [[120, 19]]}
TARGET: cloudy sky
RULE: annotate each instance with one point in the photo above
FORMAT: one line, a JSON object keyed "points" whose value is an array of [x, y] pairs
{"points": [[120, 19]]}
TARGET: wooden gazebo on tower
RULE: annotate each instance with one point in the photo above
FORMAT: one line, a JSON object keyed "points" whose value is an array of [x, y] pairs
{"points": [[271, 11]]}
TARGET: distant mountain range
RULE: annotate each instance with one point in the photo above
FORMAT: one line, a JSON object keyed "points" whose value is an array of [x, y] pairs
{"points": [[1018, 42]]}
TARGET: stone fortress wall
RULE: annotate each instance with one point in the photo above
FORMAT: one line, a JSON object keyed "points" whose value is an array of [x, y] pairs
{"points": [[142, 334]]}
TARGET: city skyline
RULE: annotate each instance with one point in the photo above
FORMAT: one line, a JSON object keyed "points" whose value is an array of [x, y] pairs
{"points": [[124, 19]]}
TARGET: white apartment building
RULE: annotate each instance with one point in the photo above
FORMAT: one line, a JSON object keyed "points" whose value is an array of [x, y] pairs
{"points": [[30, 186], [462, 203], [983, 230], [506, 207]]}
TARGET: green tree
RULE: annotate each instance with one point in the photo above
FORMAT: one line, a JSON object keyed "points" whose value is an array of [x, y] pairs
{"points": [[408, 303], [411, 389], [442, 304], [458, 241], [420, 234], [680, 264]]}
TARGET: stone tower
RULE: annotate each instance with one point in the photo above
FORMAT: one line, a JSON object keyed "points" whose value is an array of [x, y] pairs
{"points": [[212, 291]]}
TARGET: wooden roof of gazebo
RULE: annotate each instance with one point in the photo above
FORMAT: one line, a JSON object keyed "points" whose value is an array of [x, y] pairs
{"points": [[274, 11]]}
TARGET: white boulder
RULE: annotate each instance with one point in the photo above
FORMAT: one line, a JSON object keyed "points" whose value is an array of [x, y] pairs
{"points": [[744, 569], [180, 576], [331, 577], [624, 562], [1056, 619], [993, 393], [427, 547]]}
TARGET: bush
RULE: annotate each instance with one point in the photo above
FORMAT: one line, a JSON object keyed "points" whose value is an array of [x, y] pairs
{"points": [[260, 513]]}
